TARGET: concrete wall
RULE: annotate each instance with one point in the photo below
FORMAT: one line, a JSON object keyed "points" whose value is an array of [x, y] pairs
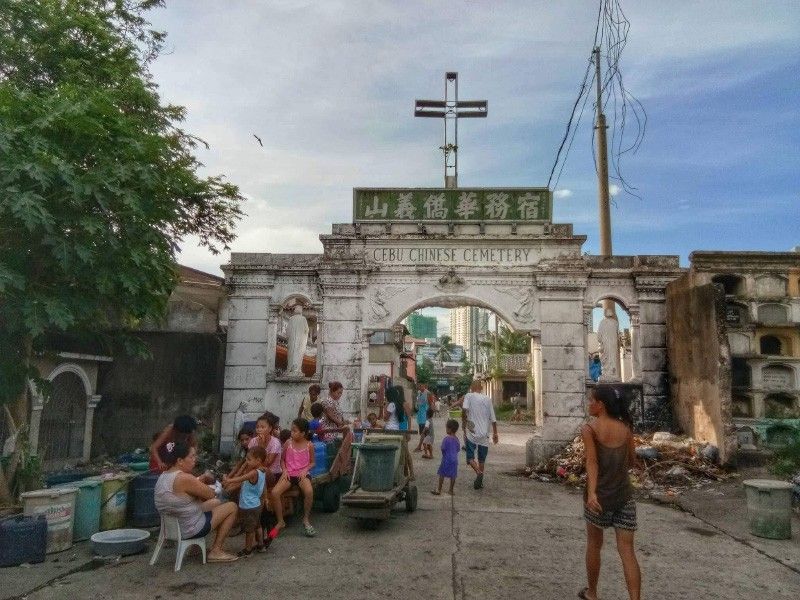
{"points": [[700, 364], [141, 396]]}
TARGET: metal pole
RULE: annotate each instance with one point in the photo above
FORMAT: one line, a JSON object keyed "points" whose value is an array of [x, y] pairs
{"points": [[602, 174]]}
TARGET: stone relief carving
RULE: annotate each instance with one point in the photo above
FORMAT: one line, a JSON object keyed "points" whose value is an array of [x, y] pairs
{"points": [[451, 282], [378, 305], [526, 298]]}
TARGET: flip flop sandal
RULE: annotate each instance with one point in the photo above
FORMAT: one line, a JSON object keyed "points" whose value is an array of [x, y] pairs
{"points": [[582, 594], [244, 553], [435, 493], [223, 558], [310, 531]]}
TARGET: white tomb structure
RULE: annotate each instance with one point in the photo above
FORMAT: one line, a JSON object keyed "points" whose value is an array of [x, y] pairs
{"points": [[409, 248]]}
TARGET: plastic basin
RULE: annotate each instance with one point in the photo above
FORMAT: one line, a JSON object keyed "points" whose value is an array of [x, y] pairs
{"points": [[119, 542], [139, 466]]}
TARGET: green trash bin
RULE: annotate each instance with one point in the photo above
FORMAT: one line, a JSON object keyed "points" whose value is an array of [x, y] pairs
{"points": [[377, 470], [87, 508], [769, 508]]}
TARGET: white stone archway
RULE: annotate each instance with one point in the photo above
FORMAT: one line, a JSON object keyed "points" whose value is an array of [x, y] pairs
{"points": [[84, 367], [533, 274]]}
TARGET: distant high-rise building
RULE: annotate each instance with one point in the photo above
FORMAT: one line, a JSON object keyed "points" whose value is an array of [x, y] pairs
{"points": [[420, 326], [467, 326]]}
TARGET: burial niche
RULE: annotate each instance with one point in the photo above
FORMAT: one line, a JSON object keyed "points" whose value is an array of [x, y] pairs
{"points": [[296, 352]]}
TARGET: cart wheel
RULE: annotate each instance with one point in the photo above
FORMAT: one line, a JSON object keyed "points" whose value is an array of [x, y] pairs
{"points": [[411, 498], [370, 524], [330, 497]]}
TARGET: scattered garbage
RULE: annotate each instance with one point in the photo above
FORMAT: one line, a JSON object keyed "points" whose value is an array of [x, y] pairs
{"points": [[668, 465]]}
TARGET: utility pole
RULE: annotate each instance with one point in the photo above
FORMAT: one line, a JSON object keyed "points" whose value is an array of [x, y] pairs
{"points": [[602, 173]]}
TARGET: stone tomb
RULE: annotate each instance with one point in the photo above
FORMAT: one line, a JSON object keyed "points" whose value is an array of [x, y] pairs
{"points": [[375, 271]]}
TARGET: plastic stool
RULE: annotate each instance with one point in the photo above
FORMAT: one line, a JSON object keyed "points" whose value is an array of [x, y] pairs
{"points": [[170, 530]]}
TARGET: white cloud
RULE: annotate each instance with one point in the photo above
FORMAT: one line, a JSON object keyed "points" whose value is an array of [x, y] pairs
{"points": [[329, 88]]}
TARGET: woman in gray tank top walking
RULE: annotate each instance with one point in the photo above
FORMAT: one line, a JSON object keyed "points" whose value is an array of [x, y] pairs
{"points": [[180, 494], [608, 497]]}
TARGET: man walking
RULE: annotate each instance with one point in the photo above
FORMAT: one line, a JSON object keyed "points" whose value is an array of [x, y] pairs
{"points": [[476, 416]]}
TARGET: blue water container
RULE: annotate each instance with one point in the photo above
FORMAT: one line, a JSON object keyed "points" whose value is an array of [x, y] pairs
{"points": [[142, 495], [320, 459], [22, 540]]}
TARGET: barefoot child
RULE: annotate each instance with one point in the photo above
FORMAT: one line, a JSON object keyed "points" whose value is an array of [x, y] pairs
{"points": [[252, 483], [427, 435], [451, 447], [297, 461]]}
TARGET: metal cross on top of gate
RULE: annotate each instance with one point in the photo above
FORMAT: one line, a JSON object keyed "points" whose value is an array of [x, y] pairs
{"points": [[451, 109]]}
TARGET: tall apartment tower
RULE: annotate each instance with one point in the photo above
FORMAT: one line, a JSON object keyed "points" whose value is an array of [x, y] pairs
{"points": [[467, 326]]}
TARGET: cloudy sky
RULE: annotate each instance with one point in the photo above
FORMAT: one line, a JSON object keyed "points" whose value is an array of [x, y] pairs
{"points": [[329, 87]]}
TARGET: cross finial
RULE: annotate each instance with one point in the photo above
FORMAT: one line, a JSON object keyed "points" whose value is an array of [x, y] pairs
{"points": [[451, 110]]}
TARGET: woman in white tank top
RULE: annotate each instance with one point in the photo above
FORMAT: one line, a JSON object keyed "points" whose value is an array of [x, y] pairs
{"points": [[180, 494]]}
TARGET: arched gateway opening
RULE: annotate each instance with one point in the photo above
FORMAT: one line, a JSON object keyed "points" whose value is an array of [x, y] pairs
{"points": [[412, 248], [446, 342]]}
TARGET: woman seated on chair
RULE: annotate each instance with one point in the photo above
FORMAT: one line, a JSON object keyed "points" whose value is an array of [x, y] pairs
{"points": [[180, 494]]}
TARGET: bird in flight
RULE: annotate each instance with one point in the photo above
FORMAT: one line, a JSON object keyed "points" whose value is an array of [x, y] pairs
{"points": [[259, 140]]}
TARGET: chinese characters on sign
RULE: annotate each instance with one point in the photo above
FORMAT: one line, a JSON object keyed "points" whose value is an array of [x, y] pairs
{"points": [[464, 204]]}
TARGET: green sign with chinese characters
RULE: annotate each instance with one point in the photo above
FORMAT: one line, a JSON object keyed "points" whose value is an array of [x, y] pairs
{"points": [[460, 204]]}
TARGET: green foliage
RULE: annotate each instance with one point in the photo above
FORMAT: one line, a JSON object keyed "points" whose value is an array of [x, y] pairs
{"points": [[464, 380], [445, 350], [425, 371], [786, 459], [98, 183]]}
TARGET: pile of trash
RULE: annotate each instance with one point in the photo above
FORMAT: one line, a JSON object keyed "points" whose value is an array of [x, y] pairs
{"points": [[668, 464]]}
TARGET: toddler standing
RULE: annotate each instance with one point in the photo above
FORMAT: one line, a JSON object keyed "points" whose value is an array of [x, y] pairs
{"points": [[450, 450], [252, 485], [427, 435]]}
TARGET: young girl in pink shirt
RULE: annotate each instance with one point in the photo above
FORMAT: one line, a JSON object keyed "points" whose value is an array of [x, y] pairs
{"points": [[297, 460]]}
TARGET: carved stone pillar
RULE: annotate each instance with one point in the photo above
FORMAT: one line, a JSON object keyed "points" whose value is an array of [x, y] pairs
{"points": [[536, 367], [37, 405], [636, 372], [272, 339], [362, 404], [91, 403]]}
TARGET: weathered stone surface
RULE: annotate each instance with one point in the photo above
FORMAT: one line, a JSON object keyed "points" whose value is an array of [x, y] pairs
{"points": [[562, 429], [246, 354], [347, 354], [560, 311], [251, 399], [562, 381], [653, 359], [652, 336], [655, 382], [245, 377], [652, 312], [342, 309], [247, 331], [562, 404], [563, 334], [247, 308], [341, 332], [567, 357], [349, 377]]}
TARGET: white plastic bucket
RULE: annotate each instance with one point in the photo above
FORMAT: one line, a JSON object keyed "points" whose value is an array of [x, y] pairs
{"points": [[58, 507]]}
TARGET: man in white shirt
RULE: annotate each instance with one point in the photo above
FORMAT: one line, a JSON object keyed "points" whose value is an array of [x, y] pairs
{"points": [[476, 415]]}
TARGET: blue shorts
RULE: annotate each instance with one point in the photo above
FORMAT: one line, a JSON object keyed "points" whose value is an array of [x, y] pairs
{"points": [[206, 528], [482, 452]]}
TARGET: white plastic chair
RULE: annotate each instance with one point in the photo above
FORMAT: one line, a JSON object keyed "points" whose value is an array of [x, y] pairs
{"points": [[170, 530]]}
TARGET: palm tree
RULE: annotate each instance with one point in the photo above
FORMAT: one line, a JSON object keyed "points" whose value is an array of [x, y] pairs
{"points": [[445, 351], [505, 342]]}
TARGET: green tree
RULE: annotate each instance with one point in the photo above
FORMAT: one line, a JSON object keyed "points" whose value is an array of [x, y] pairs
{"points": [[464, 380], [445, 350], [505, 342], [98, 182], [425, 371]]}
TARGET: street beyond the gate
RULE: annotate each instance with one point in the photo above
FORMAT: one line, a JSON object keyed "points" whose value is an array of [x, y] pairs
{"points": [[515, 539]]}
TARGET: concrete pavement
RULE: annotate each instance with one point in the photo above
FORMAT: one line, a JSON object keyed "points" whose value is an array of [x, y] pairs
{"points": [[517, 538]]}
